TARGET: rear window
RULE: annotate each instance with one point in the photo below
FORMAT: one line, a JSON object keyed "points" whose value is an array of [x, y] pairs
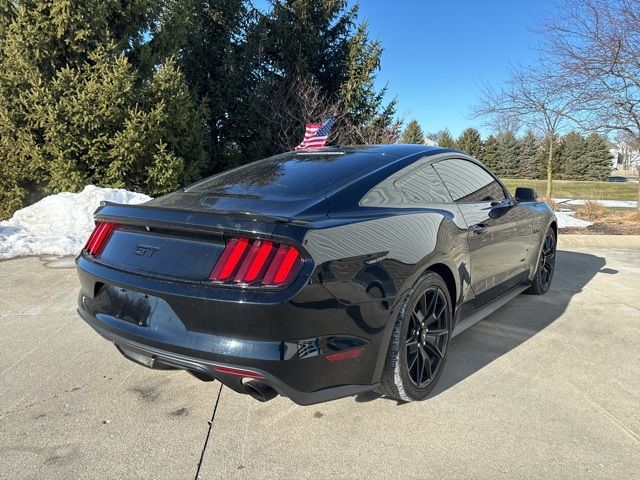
{"points": [[291, 174]]}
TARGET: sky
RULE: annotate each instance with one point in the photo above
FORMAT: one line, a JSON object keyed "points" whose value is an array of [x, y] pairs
{"points": [[439, 53]]}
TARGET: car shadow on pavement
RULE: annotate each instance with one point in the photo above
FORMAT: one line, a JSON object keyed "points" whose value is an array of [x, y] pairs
{"points": [[514, 323]]}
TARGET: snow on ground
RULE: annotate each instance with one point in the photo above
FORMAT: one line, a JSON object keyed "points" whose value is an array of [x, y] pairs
{"points": [[58, 224], [566, 220], [604, 203]]}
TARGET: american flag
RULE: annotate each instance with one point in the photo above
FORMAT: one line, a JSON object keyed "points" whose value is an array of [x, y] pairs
{"points": [[316, 134]]}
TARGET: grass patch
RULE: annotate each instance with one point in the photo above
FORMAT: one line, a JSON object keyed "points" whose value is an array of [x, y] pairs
{"points": [[577, 189]]}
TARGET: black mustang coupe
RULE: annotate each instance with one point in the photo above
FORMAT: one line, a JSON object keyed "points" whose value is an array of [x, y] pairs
{"points": [[316, 274]]}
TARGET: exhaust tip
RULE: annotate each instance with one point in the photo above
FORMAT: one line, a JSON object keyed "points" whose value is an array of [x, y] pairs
{"points": [[259, 390]]}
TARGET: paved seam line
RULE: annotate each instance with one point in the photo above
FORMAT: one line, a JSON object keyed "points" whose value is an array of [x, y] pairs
{"points": [[206, 440]]}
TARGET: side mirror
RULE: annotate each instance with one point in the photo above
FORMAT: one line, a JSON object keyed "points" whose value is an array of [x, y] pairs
{"points": [[524, 194]]}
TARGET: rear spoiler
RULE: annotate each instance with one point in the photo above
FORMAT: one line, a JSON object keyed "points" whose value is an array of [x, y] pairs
{"points": [[214, 221]]}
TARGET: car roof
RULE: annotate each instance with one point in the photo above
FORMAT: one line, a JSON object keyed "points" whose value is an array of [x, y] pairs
{"points": [[394, 149], [307, 173]]}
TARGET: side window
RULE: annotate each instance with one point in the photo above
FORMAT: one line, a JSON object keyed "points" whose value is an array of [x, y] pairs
{"points": [[423, 185], [468, 182]]}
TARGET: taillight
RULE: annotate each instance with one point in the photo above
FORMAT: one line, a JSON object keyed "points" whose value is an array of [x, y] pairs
{"points": [[99, 237], [257, 262]]}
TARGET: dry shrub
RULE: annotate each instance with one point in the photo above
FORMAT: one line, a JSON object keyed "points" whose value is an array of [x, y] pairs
{"points": [[622, 218], [591, 210]]}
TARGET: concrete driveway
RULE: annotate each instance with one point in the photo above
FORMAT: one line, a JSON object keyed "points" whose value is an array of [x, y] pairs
{"points": [[546, 387]]}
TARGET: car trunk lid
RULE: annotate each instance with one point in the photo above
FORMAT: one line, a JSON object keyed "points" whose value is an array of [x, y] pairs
{"points": [[174, 243]]}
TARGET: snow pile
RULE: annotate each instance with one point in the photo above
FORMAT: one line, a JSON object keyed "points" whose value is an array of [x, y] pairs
{"points": [[604, 203], [566, 220], [58, 224]]}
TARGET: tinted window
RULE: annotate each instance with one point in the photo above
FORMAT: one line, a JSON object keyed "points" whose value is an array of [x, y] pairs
{"points": [[291, 174], [423, 185], [468, 182]]}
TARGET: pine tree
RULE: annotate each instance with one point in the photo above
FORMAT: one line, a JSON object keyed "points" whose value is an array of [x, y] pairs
{"points": [[221, 65], [597, 159], [366, 118], [508, 153], [570, 161], [528, 156], [490, 153], [301, 40], [445, 139], [470, 141], [413, 133], [85, 108]]}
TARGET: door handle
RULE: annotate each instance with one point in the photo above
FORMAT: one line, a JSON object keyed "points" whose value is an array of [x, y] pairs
{"points": [[480, 228]]}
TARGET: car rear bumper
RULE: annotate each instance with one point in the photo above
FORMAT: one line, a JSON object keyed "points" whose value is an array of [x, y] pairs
{"points": [[157, 358], [204, 336]]}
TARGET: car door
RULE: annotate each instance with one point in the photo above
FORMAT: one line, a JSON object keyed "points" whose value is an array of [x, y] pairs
{"points": [[499, 242]]}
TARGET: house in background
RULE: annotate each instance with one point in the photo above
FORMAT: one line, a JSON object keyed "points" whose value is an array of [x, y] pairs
{"points": [[625, 158]]}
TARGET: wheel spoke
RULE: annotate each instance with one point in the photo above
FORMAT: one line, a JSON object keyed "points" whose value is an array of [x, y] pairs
{"points": [[425, 362], [419, 367], [426, 365], [427, 335], [437, 332], [422, 306], [432, 304], [413, 362], [433, 348]]}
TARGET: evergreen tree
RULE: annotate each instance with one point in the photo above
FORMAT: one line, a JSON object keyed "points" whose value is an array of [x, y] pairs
{"points": [[320, 40], [219, 53], [86, 113], [366, 118], [490, 153], [579, 158], [470, 141], [597, 159], [508, 154], [445, 139], [413, 133], [528, 156], [571, 157]]}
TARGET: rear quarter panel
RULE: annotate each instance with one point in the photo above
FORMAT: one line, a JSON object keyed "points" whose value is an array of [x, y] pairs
{"points": [[368, 265]]}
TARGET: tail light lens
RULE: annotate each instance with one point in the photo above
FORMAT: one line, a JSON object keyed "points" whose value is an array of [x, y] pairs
{"points": [[257, 262], [99, 237]]}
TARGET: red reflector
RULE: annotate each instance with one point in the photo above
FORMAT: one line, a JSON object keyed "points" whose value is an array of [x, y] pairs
{"points": [[345, 354], [245, 261], [237, 371], [99, 237]]}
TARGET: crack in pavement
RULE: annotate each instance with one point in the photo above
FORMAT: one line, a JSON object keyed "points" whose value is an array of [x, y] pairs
{"points": [[206, 440]]}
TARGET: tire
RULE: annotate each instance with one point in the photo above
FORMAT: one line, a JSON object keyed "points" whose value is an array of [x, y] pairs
{"points": [[414, 341], [546, 265]]}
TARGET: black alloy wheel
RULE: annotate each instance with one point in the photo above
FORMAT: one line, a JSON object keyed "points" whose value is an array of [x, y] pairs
{"points": [[418, 347], [546, 264], [427, 337]]}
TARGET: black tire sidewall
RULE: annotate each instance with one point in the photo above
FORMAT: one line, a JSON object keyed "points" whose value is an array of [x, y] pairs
{"points": [[405, 386], [537, 287]]}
